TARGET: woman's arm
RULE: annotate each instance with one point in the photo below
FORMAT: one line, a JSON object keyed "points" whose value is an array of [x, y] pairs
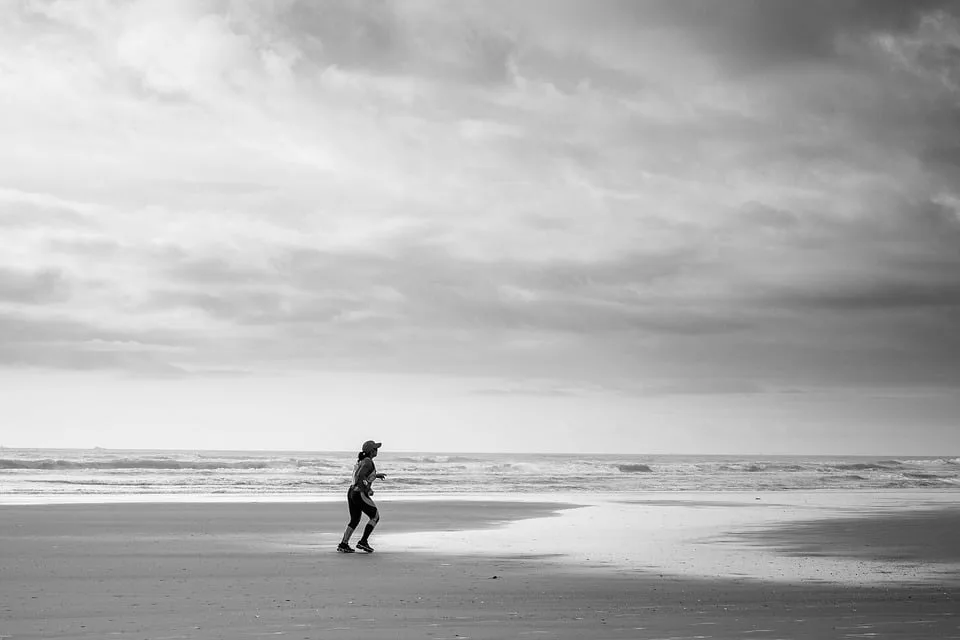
{"points": [[365, 474], [372, 475]]}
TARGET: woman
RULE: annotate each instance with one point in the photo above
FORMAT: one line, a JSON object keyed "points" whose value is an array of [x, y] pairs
{"points": [[359, 500]]}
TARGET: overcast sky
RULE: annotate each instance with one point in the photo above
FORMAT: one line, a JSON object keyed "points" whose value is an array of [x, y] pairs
{"points": [[644, 226]]}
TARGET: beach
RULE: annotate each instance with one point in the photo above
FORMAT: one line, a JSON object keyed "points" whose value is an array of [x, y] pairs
{"points": [[269, 569], [637, 319]]}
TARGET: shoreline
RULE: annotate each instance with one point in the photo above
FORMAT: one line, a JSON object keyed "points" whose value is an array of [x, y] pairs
{"points": [[927, 495]]}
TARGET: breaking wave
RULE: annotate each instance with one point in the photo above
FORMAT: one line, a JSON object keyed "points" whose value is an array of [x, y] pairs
{"points": [[634, 468], [51, 472], [436, 459], [888, 465], [51, 464], [133, 463]]}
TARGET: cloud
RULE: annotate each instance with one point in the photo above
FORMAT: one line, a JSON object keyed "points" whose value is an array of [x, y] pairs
{"points": [[672, 191], [89, 359], [28, 215], [752, 34], [426, 286], [215, 271], [704, 386], [547, 392], [29, 340], [456, 43], [783, 30], [883, 296], [32, 287]]}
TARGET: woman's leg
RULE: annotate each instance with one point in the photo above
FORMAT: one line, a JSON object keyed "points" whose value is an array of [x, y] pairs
{"points": [[356, 508], [370, 508]]}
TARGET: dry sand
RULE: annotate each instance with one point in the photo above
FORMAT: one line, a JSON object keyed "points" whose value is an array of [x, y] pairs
{"points": [[268, 570]]}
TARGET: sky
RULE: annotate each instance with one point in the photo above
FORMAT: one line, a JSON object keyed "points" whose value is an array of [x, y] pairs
{"points": [[656, 226]]}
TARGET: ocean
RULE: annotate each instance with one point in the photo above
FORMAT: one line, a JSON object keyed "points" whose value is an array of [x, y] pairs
{"points": [[52, 475]]}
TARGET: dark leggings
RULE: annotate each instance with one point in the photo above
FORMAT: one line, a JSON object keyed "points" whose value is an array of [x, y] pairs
{"points": [[359, 506]]}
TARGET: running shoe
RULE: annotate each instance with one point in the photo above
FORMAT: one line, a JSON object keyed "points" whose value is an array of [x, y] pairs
{"points": [[365, 546], [343, 547]]}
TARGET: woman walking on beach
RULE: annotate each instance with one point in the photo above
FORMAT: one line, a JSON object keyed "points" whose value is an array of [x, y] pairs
{"points": [[359, 500]]}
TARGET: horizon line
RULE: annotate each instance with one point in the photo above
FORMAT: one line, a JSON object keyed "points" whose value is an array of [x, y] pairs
{"points": [[508, 452]]}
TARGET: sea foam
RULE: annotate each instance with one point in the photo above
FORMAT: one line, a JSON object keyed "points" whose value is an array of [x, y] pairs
{"points": [[49, 474]]}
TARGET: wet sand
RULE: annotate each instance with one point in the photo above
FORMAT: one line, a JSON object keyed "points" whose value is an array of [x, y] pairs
{"points": [[924, 535], [268, 570]]}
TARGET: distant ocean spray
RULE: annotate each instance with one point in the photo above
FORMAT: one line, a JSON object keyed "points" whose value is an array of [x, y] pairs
{"points": [[50, 474]]}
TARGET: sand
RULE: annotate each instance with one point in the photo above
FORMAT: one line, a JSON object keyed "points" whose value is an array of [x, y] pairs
{"points": [[787, 537], [268, 570]]}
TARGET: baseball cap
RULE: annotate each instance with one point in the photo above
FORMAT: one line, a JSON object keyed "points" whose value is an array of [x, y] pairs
{"points": [[370, 445]]}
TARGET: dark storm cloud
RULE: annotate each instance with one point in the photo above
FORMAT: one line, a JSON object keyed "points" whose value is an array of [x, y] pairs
{"points": [[944, 154], [882, 296], [760, 33]]}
